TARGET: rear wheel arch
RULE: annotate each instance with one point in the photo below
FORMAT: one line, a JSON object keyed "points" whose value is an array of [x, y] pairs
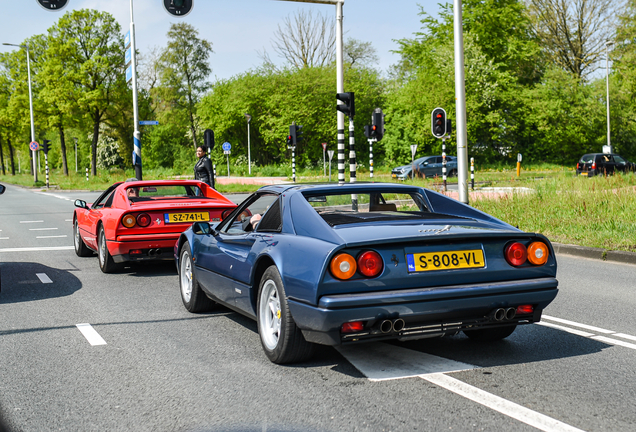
{"points": [[259, 269]]}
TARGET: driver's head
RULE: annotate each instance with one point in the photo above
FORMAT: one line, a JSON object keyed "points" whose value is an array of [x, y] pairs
{"points": [[132, 192]]}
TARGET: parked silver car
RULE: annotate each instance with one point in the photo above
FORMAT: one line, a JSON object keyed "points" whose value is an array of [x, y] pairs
{"points": [[427, 166]]}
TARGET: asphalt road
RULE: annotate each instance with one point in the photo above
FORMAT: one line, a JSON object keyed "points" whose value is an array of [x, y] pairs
{"points": [[152, 366]]}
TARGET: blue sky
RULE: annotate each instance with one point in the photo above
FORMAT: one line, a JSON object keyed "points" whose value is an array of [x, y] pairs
{"points": [[236, 28]]}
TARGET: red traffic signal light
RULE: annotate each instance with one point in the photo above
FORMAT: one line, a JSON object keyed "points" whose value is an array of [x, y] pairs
{"points": [[438, 122]]}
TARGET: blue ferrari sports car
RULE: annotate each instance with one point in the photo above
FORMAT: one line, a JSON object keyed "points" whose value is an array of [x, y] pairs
{"points": [[341, 264]]}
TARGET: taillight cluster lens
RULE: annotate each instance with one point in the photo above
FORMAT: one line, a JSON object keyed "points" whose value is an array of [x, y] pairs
{"points": [[517, 254], [142, 219], [594, 165], [226, 213], [369, 263]]}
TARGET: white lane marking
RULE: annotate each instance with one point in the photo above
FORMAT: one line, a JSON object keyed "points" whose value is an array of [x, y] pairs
{"points": [[625, 336], [614, 342], [4, 238], [381, 362], [575, 324], [38, 249], [55, 196], [60, 236], [91, 334], [42, 229], [605, 339], [31, 221], [511, 409], [567, 329], [68, 220], [44, 278]]}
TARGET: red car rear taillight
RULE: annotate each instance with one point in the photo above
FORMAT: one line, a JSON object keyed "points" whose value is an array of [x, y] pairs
{"points": [[594, 165], [143, 220]]}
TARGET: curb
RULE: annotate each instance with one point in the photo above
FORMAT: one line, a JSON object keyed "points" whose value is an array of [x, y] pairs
{"points": [[595, 253]]}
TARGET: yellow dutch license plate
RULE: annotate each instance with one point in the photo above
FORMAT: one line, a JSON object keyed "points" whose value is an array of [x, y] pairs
{"points": [[449, 260], [394, 175], [186, 217]]}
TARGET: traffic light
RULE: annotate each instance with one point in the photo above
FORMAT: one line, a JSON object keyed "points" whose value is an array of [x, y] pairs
{"points": [[377, 124], [46, 145], [438, 122], [208, 139], [295, 134], [178, 7], [290, 140], [348, 107], [53, 5]]}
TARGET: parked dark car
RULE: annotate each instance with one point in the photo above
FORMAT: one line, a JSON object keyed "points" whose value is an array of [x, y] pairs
{"points": [[427, 166], [603, 164], [342, 264]]}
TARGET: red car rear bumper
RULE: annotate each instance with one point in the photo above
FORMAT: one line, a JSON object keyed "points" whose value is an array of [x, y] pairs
{"points": [[143, 247]]}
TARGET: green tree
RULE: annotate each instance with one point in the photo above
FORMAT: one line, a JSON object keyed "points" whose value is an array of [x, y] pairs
{"points": [[184, 72], [86, 48]]}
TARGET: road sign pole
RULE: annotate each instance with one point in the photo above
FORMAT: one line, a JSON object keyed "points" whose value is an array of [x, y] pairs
{"points": [[137, 135], [46, 168], [371, 140]]}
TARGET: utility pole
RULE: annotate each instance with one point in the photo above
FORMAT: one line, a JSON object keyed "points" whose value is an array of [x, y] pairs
{"points": [[460, 97]]}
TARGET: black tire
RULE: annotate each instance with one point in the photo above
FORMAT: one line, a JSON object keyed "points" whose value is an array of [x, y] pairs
{"points": [[81, 250], [282, 340], [452, 173], [106, 262], [491, 334], [192, 296]]}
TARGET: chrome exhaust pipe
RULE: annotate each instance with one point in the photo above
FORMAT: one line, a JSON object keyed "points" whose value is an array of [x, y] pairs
{"points": [[510, 313], [157, 252], [386, 326], [398, 325], [151, 252], [499, 314]]}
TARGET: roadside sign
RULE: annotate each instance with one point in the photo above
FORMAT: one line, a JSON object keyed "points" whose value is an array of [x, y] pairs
{"points": [[519, 157], [129, 73], [324, 146], [413, 150], [227, 146], [330, 153], [148, 122], [127, 39], [34, 146], [128, 56]]}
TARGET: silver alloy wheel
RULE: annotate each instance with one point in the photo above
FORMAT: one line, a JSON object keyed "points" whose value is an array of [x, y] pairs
{"points": [[185, 277], [269, 314], [102, 248]]}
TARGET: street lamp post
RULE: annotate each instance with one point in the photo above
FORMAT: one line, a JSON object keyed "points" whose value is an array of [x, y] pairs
{"points": [[249, 158], [607, 45], [35, 171]]}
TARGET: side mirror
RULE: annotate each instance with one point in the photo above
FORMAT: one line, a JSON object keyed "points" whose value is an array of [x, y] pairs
{"points": [[2, 189], [202, 228], [81, 204]]}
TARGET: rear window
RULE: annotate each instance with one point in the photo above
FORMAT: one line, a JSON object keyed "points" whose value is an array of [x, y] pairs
{"points": [[150, 192], [343, 208], [589, 158]]}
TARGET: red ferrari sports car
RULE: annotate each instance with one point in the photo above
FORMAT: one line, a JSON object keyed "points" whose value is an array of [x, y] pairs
{"points": [[141, 220]]}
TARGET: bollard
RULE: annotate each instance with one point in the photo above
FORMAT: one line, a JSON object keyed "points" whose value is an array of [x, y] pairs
{"points": [[472, 173], [86, 174]]}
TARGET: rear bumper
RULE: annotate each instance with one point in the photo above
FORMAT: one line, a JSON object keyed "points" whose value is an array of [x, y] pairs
{"points": [[426, 312], [152, 248]]}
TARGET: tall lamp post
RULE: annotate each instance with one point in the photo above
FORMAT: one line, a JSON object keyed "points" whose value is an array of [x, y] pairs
{"points": [[607, 45], [249, 158], [35, 171]]}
